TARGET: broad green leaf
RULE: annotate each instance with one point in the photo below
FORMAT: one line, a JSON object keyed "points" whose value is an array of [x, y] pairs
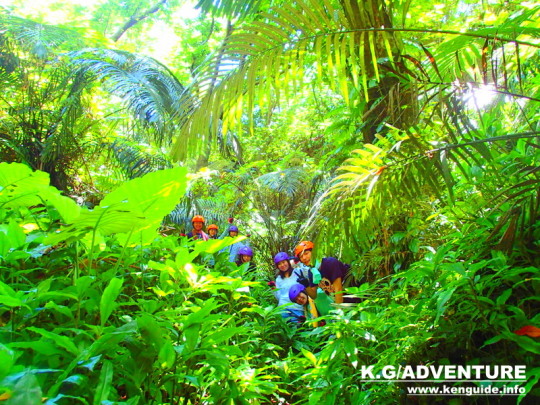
{"points": [[167, 355], [66, 207], [9, 297], [442, 299], [105, 220], [199, 316], [107, 303], [154, 195], [525, 342], [151, 331], [191, 335], [10, 301], [225, 334], [89, 364], [310, 356], [501, 300], [61, 341], [5, 244], [138, 205], [215, 245], [7, 359], [62, 309], [15, 234], [26, 391], [104, 384], [533, 375], [20, 185]]}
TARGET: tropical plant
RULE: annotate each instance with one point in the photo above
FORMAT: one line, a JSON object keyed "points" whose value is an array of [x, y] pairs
{"points": [[50, 120], [420, 139]]}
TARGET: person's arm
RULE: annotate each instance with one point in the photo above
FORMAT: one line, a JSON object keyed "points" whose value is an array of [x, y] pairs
{"points": [[338, 290]]}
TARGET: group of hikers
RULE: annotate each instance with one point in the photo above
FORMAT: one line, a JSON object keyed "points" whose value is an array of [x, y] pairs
{"points": [[303, 288]]}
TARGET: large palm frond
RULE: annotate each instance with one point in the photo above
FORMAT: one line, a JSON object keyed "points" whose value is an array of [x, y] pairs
{"points": [[136, 160], [271, 57], [42, 41], [148, 88], [384, 185], [231, 8], [346, 46], [43, 123]]}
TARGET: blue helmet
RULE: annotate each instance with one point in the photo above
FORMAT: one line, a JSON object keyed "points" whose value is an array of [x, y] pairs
{"points": [[280, 257], [295, 291], [245, 250], [233, 228]]}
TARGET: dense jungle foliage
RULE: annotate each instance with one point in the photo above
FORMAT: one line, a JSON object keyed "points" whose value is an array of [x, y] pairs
{"points": [[401, 136]]}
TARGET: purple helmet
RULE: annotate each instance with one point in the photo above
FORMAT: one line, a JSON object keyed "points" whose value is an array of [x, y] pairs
{"points": [[245, 250], [233, 228], [280, 257], [295, 291]]}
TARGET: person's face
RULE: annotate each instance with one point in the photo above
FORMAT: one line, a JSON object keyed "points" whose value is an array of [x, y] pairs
{"points": [[212, 232], [232, 234], [197, 225], [301, 299], [283, 265], [245, 258], [305, 257]]}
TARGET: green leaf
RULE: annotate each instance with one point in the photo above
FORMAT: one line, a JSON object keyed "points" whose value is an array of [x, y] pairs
{"points": [[191, 334], [16, 234], [525, 342], [533, 376], [137, 206], [20, 185], [107, 303], [151, 331], [200, 315], [26, 391], [167, 355], [7, 359], [501, 300], [59, 340], [66, 207], [310, 356], [442, 299], [154, 195], [224, 334], [104, 385], [90, 363], [10, 301]]}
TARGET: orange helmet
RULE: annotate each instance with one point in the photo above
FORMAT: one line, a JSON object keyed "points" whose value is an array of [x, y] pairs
{"points": [[304, 245], [213, 226], [198, 218]]}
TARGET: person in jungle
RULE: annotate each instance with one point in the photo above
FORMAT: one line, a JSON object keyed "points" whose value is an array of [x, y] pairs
{"points": [[233, 249], [245, 255], [329, 274], [197, 232], [213, 231], [285, 279], [313, 307]]}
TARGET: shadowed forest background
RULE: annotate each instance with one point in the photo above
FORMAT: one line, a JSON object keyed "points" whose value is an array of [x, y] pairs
{"points": [[402, 137]]}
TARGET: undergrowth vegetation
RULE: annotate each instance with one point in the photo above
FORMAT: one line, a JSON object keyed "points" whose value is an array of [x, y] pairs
{"points": [[97, 308]]}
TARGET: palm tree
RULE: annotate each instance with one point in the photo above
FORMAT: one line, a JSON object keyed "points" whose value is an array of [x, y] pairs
{"points": [[405, 87], [49, 120]]}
